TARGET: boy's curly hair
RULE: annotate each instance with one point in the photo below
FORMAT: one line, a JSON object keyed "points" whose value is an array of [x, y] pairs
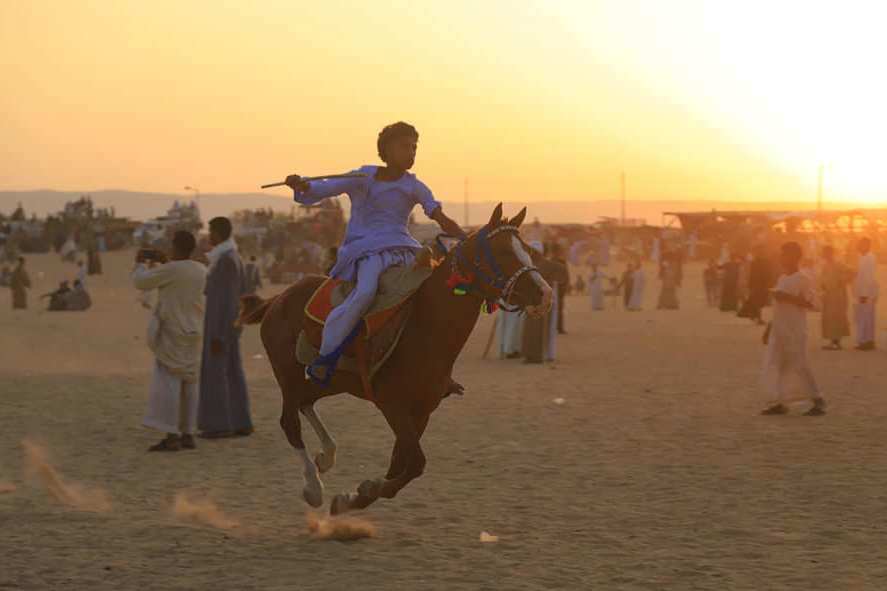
{"points": [[394, 131]]}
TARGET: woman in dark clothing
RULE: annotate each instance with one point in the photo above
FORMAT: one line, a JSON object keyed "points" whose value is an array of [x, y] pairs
{"points": [[730, 284], [760, 280], [627, 284]]}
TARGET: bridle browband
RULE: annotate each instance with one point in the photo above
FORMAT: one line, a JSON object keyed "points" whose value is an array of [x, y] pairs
{"points": [[480, 281]]}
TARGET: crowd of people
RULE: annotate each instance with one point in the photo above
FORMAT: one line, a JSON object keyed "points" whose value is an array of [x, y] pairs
{"points": [[743, 285], [790, 283]]}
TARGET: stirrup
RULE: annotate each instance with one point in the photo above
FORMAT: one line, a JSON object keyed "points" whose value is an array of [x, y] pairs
{"points": [[330, 360]]}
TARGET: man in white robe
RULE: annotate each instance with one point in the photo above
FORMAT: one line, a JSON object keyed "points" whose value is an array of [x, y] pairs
{"points": [[174, 336], [81, 273], [786, 368], [656, 254], [596, 288], [692, 243], [636, 302], [865, 296]]}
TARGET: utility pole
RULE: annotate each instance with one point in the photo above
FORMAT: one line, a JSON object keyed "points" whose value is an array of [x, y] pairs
{"points": [[622, 193], [465, 196]]}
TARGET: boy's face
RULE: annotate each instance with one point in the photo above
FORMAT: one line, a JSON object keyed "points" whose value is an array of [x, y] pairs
{"points": [[401, 152]]}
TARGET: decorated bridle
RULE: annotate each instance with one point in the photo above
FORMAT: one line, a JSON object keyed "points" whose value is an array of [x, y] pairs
{"points": [[472, 278]]}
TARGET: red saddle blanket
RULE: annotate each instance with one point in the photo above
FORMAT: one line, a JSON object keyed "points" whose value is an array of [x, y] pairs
{"points": [[321, 305], [380, 328]]}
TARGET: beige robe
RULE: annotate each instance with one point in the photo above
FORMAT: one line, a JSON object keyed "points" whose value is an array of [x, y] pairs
{"points": [[179, 310], [178, 318]]}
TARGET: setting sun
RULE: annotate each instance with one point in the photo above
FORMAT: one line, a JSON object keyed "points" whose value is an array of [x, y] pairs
{"points": [[797, 84]]}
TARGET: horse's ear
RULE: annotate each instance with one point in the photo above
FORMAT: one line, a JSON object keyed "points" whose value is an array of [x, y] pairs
{"points": [[517, 220], [497, 215]]}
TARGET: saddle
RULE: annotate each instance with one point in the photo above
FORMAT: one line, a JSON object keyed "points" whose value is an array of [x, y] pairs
{"points": [[380, 329]]}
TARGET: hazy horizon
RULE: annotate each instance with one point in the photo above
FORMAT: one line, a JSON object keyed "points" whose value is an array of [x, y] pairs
{"points": [[143, 205]]}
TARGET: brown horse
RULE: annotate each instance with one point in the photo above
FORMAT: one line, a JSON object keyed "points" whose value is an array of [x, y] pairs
{"points": [[414, 379]]}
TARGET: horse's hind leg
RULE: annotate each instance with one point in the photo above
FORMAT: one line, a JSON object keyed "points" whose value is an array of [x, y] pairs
{"points": [[325, 459], [292, 386]]}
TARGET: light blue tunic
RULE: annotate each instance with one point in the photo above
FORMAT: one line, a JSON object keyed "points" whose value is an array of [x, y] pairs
{"points": [[380, 212]]}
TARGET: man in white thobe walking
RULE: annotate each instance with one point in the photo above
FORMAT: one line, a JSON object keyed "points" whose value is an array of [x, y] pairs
{"points": [[787, 372]]}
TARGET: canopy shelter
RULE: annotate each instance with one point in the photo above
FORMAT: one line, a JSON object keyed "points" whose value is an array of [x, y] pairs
{"points": [[849, 220], [740, 230]]}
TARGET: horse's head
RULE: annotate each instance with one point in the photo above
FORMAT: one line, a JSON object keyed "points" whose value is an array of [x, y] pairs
{"points": [[501, 265]]}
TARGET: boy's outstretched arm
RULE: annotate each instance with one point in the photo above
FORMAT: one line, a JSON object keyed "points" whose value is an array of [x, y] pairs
{"points": [[448, 225], [316, 191]]}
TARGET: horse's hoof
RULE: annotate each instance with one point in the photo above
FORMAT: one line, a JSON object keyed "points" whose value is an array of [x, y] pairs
{"points": [[313, 495], [370, 488], [325, 461], [341, 504]]}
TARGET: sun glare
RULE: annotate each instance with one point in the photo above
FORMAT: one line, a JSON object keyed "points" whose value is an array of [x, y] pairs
{"points": [[799, 83]]}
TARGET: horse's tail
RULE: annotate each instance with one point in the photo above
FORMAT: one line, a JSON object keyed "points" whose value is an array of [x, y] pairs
{"points": [[253, 309]]}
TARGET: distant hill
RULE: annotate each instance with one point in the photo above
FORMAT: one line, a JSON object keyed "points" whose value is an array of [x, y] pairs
{"points": [[141, 206]]}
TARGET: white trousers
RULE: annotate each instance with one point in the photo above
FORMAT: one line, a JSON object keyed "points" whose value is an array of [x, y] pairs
{"points": [[865, 322], [787, 374], [509, 332], [172, 403], [346, 315]]}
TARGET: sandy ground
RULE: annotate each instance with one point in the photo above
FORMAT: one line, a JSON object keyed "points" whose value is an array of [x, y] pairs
{"points": [[655, 473]]}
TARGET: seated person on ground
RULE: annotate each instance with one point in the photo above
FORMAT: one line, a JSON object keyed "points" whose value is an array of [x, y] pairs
{"points": [[57, 297], [78, 298]]}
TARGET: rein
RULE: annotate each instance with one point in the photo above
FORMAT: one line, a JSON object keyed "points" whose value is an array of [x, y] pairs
{"points": [[476, 280]]}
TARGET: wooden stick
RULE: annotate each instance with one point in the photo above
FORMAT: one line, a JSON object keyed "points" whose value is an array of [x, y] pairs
{"points": [[492, 336], [351, 175]]}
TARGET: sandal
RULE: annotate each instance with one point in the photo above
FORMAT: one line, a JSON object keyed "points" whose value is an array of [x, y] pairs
{"points": [[777, 409], [171, 443]]}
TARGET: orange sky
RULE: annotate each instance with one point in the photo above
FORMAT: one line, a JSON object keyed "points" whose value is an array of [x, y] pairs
{"points": [[545, 100]]}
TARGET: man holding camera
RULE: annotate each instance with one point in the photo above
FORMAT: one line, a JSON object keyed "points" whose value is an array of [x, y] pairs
{"points": [[174, 335]]}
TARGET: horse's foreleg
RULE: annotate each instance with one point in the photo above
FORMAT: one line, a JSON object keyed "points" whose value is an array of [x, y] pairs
{"points": [[398, 456], [398, 462], [407, 463], [415, 466], [325, 459]]}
